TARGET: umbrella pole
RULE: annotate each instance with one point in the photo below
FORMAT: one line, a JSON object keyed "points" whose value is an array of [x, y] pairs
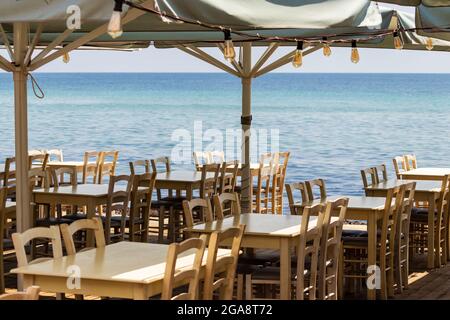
{"points": [[21, 128], [246, 118]]}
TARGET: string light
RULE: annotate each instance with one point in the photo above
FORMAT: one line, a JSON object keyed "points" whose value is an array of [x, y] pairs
{"points": [[66, 57], [398, 43], [429, 44], [297, 61], [115, 24], [326, 48], [229, 53], [355, 53]]}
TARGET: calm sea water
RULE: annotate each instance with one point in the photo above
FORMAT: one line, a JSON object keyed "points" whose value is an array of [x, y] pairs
{"points": [[333, 124]]}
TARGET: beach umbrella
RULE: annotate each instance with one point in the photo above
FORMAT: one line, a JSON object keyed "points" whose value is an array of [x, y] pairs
{"points": [[35, 33]]}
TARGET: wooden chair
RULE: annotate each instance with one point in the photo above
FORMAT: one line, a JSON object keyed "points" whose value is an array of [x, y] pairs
{"points": [[91, 162], [410, 161], [310, 186], [68, 232], [262, 192], [117, 204], [58, 177], [174, 276], [282, 159], [10, 177], [107, 164], [143, 164], [399, 165], [205, 212], [305, 274], [201, 158], [38, 161], [209, 185], [401, 256], [330, 249], [228, 176], [32, 293], [354, 259], [220, 272], [381, 173], [226, 204], [217, 156], [365, 174], [55, 155], [138, 221], [160, 165], [290, 190], [3, 240], [420, 229]]}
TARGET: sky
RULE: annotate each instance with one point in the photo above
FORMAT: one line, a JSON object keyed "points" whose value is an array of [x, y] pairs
{"points": [[173, 60]]}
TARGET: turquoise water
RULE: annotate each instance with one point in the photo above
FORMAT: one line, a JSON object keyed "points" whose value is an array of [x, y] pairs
{"points": [[333, 124]]}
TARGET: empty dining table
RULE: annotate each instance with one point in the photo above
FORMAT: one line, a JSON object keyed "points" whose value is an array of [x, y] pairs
{"points": [[130, 270], [77, 165], [425, 174]]}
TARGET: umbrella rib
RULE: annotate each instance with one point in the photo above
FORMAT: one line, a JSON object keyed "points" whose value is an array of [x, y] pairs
{"points": [[58, 40], [7, 43], [5, 64], [264, 57], [233, 62], [34, 42]]}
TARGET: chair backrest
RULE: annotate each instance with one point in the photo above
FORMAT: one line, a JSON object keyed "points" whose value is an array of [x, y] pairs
{"points": [[117, 202], [174, 276], [320, 183], [55, 155], [226, 204], [91, 162], [209, 185], [141, 200], [369, 172], [9, 179], [38, 161], [201, 158], [399, 165], [330, 247], [21, 239], [68, 231], [32, 293], [143, 164], [281, 161], [263, 189], [220, 272], [204, 214], [38, 178], [161, 165], [410, 161], [59, 175], [381, 173], [107, 164], [217, 156], [444, 196], [404, 217], [308, 250], [228, 176], [290, 190]]}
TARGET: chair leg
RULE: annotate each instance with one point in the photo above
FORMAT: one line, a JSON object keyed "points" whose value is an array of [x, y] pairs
{"points": [[240, 287], [248, 287], [161, 224]]}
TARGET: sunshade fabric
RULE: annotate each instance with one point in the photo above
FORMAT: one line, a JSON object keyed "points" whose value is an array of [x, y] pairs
{"points": [[434, 22], [428, 3]]}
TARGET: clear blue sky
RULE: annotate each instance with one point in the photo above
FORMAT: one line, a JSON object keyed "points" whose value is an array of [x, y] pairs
{"points": [[173, 60]]}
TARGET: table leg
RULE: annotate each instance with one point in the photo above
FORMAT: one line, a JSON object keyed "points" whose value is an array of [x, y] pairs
{"points": [[189, 192], [430, 240], [285, 269], [251, 191], [372, 250], [89, 215]]}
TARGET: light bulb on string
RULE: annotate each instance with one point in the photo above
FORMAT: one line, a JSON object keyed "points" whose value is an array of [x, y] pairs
{"points": [[429, 44], [66, 57], [326, 48], [355, 53], [398, 42], [115, 23], [228, 52], [297, 60]]}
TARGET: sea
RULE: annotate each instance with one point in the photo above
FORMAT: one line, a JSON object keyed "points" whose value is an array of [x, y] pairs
{"points": [[334, 125]]}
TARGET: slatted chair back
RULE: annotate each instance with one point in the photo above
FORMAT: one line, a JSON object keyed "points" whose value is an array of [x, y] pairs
{"points": [[220, 272], [281, 159], [68, 231], [209, 184], [107, 165], [174, 275], [399, 165], [38, 160], [32, 293], [203, 215], [217, 156], [55, 155], [20, 240], [262, 192], [226, 204], [139, 166], [161, 165], [64, 176], [410, 161], [228, 176], [381, 173], [201, 158], [9, 179], [117, 204], [330, 248], [311, 185], [291, 190], [91, 162], [369, 173]]}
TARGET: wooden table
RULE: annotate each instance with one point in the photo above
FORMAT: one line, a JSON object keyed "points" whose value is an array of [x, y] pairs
{"points": [[425, 174], [425, 191], [370, 209], [263, 231], [181, 180], [131, 270], [89, 195], [78, 165]]}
